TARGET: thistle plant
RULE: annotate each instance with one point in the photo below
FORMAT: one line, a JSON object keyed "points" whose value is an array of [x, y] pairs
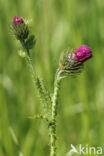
{"points": [[70, 63]]}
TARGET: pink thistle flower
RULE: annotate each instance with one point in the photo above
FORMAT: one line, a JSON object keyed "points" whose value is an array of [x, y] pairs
{"points": [[19, 28], [72, 62], [17, 20], [82, 54]]}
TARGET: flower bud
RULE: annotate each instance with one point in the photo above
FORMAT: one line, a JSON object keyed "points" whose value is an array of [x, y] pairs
{"points": [[19, 28], [72, 62]]}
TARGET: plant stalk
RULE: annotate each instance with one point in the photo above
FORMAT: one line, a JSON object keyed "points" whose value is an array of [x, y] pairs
{"points": [[54, 115], [44, 94]]}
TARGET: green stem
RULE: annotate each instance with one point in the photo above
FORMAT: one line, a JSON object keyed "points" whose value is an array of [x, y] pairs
{"points": [[54, 115], [44, 94]]}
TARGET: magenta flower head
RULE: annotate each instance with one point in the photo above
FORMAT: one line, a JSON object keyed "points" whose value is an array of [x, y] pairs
{"points": [[17, 20], [72, 62], [19, 28], [82, 54]]}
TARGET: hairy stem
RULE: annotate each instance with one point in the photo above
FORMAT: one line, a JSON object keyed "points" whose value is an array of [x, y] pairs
{"points": [[44, 94], [54, 114]]}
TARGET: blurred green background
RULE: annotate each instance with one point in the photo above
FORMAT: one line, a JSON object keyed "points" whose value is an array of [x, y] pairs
{"points": [[57, 24]]}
